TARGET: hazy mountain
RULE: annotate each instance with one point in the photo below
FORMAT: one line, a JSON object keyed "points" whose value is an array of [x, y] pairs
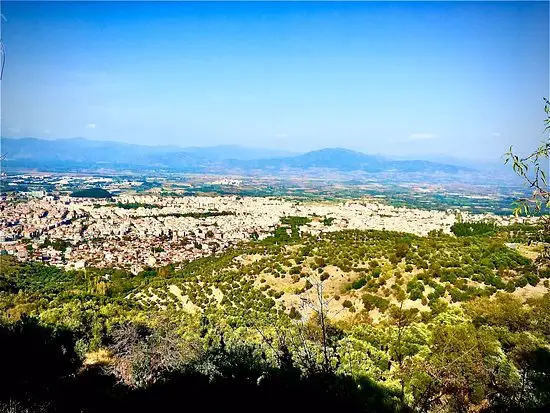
{"points": [[489, 166], [76, 150], [80, 150], [237, 152], [347, 160], [83, 153]]}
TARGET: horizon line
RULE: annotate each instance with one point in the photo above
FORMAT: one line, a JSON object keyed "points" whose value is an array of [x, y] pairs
{"points": [[236, 145]]}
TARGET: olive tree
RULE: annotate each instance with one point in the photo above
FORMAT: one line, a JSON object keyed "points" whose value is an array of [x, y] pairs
{"points": [[534, 170]]}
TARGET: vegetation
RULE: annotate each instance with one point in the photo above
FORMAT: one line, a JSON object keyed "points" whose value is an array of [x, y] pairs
{"points": [[57, 244], [294, 223], [134, 205], [197, 215], [92, 193], [533, 169], [463, 229], [191, 319], [343, 321]]}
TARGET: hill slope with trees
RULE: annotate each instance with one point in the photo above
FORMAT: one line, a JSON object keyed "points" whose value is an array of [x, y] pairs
{"points": [[417, 323]]}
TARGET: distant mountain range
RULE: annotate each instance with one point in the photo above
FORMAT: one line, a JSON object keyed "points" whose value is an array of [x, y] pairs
{"points": [[491, 164], [242, 153], [86, 150], [83, 153], [346, 160]]}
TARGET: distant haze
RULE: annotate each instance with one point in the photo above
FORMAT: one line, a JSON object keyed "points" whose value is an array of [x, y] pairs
{"points": [[459, 79], [80, 154]]}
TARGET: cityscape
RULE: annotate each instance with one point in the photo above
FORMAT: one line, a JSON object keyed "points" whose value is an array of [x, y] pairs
{"points": [[275, 206], [138, 231]]}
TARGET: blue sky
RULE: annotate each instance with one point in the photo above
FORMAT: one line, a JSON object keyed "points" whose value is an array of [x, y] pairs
{"points": [[458, 78]]}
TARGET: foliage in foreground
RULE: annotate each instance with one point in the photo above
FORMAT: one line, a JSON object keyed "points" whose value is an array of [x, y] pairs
{"points": [[43, 374], [89, 341], [490, 354]]}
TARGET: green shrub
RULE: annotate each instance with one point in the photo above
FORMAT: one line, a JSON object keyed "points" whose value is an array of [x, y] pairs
{"points": [[360, 283], [293, 314], [295, 270], [371, 301], [463, 229]]}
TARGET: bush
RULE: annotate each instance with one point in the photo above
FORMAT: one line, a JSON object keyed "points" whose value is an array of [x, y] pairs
{"points": [[532, 279], [521, 282], [320, 261], [371, 301], [295, 270], [294, 315], [360, 283]]}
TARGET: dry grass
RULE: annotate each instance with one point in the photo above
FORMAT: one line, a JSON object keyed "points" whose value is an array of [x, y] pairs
{"points": [[101, 357]]}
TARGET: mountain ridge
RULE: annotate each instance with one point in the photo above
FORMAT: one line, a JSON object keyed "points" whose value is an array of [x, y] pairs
{"points": [[40, 153]]}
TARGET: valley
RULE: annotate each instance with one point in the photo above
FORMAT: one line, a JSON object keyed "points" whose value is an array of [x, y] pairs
{"points": [[341, 286]]}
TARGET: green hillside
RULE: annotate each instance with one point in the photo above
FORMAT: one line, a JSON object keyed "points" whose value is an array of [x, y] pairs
{"points": [[416, 317]]}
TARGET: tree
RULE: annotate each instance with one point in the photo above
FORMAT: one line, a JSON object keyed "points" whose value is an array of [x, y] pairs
{"points": [[36, 361], [533, 169], [319, 327], [458, 369], [143, 354], [400, 345]]}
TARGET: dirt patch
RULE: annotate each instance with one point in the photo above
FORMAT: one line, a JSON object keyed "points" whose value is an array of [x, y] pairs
{"points": [[248, 259], [186, 304], [529, 251], [531, 292]]}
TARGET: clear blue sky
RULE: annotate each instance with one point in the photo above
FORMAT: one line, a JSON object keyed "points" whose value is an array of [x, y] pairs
{"points": [[464, 79]]}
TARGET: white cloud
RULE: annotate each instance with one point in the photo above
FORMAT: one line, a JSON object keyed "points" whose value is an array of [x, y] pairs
{"points": [[495, 134], [281, 135], [422, 136], [14, 130], [91, 125], [47, 131]]}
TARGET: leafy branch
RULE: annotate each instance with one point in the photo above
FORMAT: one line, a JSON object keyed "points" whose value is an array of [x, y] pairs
{"points": [[538, 178]]}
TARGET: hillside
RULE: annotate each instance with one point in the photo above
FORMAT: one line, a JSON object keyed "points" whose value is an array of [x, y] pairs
{"points": [[362, 273], [403, 318]]}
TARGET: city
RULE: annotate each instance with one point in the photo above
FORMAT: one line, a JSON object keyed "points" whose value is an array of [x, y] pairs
{"points": [[156, 232], [287, 206]]}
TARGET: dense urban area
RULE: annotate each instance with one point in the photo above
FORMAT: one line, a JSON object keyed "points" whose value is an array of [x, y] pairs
{"points": [[135, 231]]}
